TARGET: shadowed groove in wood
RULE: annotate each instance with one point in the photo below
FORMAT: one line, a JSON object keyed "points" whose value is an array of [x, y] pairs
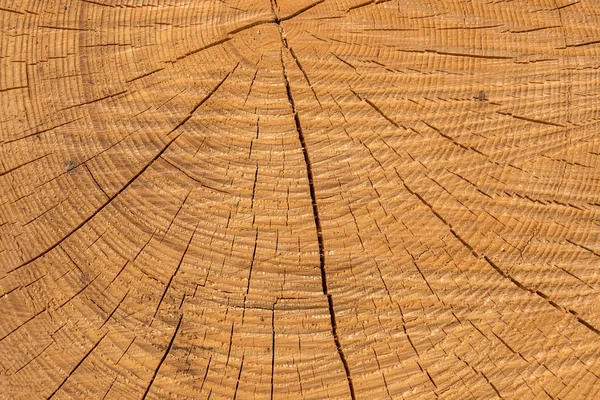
{"points": [[162, 360], [77, 366], [313, 197]]}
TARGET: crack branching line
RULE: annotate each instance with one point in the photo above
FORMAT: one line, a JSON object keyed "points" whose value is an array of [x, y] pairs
{"points": [[313, 197]]}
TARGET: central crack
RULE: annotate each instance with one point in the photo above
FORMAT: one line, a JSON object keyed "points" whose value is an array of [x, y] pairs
{"points": [[313, 196]]}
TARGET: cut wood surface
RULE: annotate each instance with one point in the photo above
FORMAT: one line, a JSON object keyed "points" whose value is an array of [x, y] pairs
{"points": [[285, 199]]}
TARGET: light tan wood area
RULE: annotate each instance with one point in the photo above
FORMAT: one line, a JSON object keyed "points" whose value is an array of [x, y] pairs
{"points": [[285, 199]]}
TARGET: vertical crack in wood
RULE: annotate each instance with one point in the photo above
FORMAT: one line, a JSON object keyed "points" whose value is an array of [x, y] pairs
{"points": [[313, 198], [237, 384], [164, 357], [250, 272], [273, 349], [168, 285]]}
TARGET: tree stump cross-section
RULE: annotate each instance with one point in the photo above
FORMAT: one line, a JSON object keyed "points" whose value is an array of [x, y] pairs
{"points": [[281, 199]]}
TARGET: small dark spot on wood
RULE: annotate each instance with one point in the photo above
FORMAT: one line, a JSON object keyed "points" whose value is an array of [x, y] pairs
{"points": [[70, 166], [481, 96]]}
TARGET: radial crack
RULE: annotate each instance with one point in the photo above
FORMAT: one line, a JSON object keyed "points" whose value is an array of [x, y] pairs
{"points": [[168, 285], [250, 274], [131, 181], [77, 366], [164, 357], [500, 271], [315, 207]]}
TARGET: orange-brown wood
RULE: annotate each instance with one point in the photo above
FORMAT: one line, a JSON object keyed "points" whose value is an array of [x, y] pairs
{"points": [[286, 199]]}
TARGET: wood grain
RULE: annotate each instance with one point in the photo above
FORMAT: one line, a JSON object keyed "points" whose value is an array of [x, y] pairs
{"points": [[282, 199]]}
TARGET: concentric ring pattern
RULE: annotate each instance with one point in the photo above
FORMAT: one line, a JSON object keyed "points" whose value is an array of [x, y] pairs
{"points": [[338, 199]]}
